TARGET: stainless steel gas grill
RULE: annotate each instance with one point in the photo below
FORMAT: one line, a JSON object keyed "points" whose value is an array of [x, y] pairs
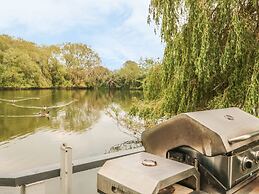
{"points": [[225, 142], [222, 146], [144, 173]]}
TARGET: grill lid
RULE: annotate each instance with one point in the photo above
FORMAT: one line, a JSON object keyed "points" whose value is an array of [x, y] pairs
{"points": [[129, 175], [211, 132]]}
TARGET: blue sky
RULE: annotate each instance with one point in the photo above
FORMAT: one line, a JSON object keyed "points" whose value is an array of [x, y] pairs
{"points": [[116, 29]]}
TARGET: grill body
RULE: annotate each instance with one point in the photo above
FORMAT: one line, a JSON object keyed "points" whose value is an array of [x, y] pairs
{"points": [[225, 142], [215, 151]]}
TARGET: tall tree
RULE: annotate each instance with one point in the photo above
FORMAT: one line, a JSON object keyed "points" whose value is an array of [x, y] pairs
{"points": [[79, 55], [79, 59], [211, 57], [131, 74]]}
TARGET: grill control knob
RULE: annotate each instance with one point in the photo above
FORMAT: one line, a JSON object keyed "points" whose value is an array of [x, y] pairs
{"points": [[256, 156], [247, 163]]}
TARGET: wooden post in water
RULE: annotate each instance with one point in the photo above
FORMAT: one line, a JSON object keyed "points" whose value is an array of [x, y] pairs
{"points": [[66, 169]]}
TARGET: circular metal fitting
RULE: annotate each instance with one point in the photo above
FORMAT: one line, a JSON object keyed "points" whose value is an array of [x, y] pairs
{"points": [[229, 117], [247, 163], [150, 163]]}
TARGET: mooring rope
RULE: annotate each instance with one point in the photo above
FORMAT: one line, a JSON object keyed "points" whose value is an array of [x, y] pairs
{"points": [[43, 107], [18, 100], [21, 116]]}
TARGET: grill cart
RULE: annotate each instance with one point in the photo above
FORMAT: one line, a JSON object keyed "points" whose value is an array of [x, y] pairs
{"points": [[214, 151]]}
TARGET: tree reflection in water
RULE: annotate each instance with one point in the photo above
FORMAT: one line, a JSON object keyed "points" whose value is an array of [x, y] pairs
{"points": [[128, 124], [77, 117]]}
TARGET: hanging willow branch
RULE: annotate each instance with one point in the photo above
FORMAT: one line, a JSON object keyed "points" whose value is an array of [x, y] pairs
{"points": [[211, 58]]}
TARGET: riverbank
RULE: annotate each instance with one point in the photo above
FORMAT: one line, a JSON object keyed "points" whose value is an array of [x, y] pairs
{"points": [[69, 88], [25, 65]]}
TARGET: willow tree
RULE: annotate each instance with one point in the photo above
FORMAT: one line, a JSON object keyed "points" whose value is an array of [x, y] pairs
{"points": [[211, 59]]}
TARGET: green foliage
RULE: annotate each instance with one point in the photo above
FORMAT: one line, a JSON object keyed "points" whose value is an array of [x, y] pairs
{"points": [[71, 65], [152, 86], [26, 65], [78, 60], [146, 63], [147, 110], [211, 56], [19, 70], [131, 75], [98, 76], [77, 55], [59, 75]]}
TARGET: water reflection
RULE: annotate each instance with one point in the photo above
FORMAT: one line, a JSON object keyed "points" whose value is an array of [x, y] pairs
{"points": [[88, 125], [80, 115]]}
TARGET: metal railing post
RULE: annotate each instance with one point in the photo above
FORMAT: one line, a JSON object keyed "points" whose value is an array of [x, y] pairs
{"points": [[66, 169], [33, 188], [22, 189]]}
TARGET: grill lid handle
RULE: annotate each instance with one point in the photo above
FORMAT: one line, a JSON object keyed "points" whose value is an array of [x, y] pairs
{"points": [[243, 137]]}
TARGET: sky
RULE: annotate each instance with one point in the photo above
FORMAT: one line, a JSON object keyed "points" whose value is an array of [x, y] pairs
{"points": [[116, 29]]}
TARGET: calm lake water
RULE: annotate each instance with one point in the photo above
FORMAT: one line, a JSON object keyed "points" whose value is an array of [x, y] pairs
{"points": [[85, 120]]}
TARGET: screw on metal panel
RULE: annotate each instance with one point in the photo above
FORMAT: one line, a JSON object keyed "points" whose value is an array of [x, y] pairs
{"points": [[229, 117]]}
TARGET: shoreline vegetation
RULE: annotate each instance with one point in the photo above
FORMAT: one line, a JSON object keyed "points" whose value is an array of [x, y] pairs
{"points": [[210, 61], [26, 65], [211, 58], [69, 88]]}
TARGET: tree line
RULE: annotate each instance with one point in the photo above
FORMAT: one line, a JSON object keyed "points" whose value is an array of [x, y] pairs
{"points": [[24, 64], [211, 58]]}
